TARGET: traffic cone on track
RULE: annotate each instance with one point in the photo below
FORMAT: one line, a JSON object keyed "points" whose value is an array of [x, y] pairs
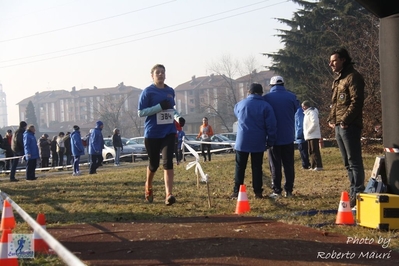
{"points": [[39, 244], [7, 217], [242, 201], [6, 260], [344, 215]]}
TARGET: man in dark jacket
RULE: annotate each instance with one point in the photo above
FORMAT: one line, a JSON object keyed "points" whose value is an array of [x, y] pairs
{"points": [[17, 146], [68, 149], [346, 117], [7, 147], [44, 150]]}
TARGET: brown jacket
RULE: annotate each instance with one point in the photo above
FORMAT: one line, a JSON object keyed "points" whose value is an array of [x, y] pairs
{"points": [[347, 98]]}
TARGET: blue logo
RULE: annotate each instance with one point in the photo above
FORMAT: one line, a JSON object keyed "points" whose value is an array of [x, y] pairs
{"points": [[21, 246]]}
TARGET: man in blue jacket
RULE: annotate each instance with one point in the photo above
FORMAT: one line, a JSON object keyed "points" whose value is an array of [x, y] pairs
{"points": [[285, 105], [256, 130], [31, 152], [96, 145]]}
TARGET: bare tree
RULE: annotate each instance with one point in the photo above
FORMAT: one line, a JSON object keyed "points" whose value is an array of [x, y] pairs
{"points": [[228, 69], [111, 110]]}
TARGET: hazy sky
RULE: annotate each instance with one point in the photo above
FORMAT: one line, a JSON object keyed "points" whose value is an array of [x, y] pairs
{"points": [[58, 44]]}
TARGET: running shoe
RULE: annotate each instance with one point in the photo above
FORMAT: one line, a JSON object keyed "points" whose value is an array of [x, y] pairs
{"points": [[170, 200]]}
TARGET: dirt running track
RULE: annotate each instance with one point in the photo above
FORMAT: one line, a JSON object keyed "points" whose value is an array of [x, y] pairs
{"points": [[217, 240]]}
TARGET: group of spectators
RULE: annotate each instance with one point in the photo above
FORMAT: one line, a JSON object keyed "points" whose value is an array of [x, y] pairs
{"points": [[22, 145], [271, 121]]}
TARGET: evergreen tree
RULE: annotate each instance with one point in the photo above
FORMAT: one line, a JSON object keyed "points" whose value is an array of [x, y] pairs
{"points": [[31, 115], [315, 31]]}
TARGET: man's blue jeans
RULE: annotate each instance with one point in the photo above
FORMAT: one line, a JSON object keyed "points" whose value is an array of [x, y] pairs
{"points": [[349, 144]]}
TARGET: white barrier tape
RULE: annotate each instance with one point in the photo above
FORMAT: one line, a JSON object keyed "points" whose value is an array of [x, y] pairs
{"points": [[198, 168], [10, 158], [392, 150], [62, 252], [214, 143]]}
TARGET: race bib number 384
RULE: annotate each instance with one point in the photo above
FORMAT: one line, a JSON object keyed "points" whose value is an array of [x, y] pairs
{"points": [[165, 117]]}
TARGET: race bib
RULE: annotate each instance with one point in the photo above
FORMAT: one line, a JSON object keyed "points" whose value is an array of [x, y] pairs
{"points": [[165, 117], [204, 136]]}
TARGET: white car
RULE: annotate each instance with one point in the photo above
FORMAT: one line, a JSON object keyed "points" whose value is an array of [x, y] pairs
{"points": [[108, 153], [126, 153]]}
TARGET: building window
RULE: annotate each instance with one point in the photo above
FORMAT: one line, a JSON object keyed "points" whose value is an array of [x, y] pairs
{"points": [[191, 100], [191, 110], [190, 92]]}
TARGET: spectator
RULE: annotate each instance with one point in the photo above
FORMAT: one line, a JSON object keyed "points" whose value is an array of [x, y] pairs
{"points": [[7, 141], [179, 139], [281, 155], [253, 137], [118, 145], [77, 149], [60, 148], [300, 139], [346, 117], [68, 148], [54, 154], [311, 130], [17, 147], [96, 145], [31, 152], [205, 134], [156, 102], [1, 142], [44, 150]]}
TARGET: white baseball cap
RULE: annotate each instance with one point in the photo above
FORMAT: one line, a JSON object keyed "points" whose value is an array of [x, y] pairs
{"points": [[276, 80]]}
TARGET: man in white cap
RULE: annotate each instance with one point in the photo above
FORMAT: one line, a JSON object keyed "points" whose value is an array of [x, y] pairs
{"points": [[281, 155]]}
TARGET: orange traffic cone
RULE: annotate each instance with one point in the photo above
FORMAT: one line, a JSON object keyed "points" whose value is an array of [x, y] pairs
{"points": [[38, 243], [344, 215], [242, 201], [7, 217], [6, 260]]}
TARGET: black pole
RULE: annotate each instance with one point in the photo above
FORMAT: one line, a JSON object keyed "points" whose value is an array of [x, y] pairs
{"points": [[388, 11], [389, 75]]}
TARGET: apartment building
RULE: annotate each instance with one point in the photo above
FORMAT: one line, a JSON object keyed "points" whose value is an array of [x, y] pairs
{"points": [[57, 108]]}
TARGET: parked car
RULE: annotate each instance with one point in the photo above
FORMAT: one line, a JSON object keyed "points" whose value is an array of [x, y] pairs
{"points": [[3, 162], [108, 154], [139, 149], [195, 146], [230, 136], [138, 140], [127, 152], [223, 143]]}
